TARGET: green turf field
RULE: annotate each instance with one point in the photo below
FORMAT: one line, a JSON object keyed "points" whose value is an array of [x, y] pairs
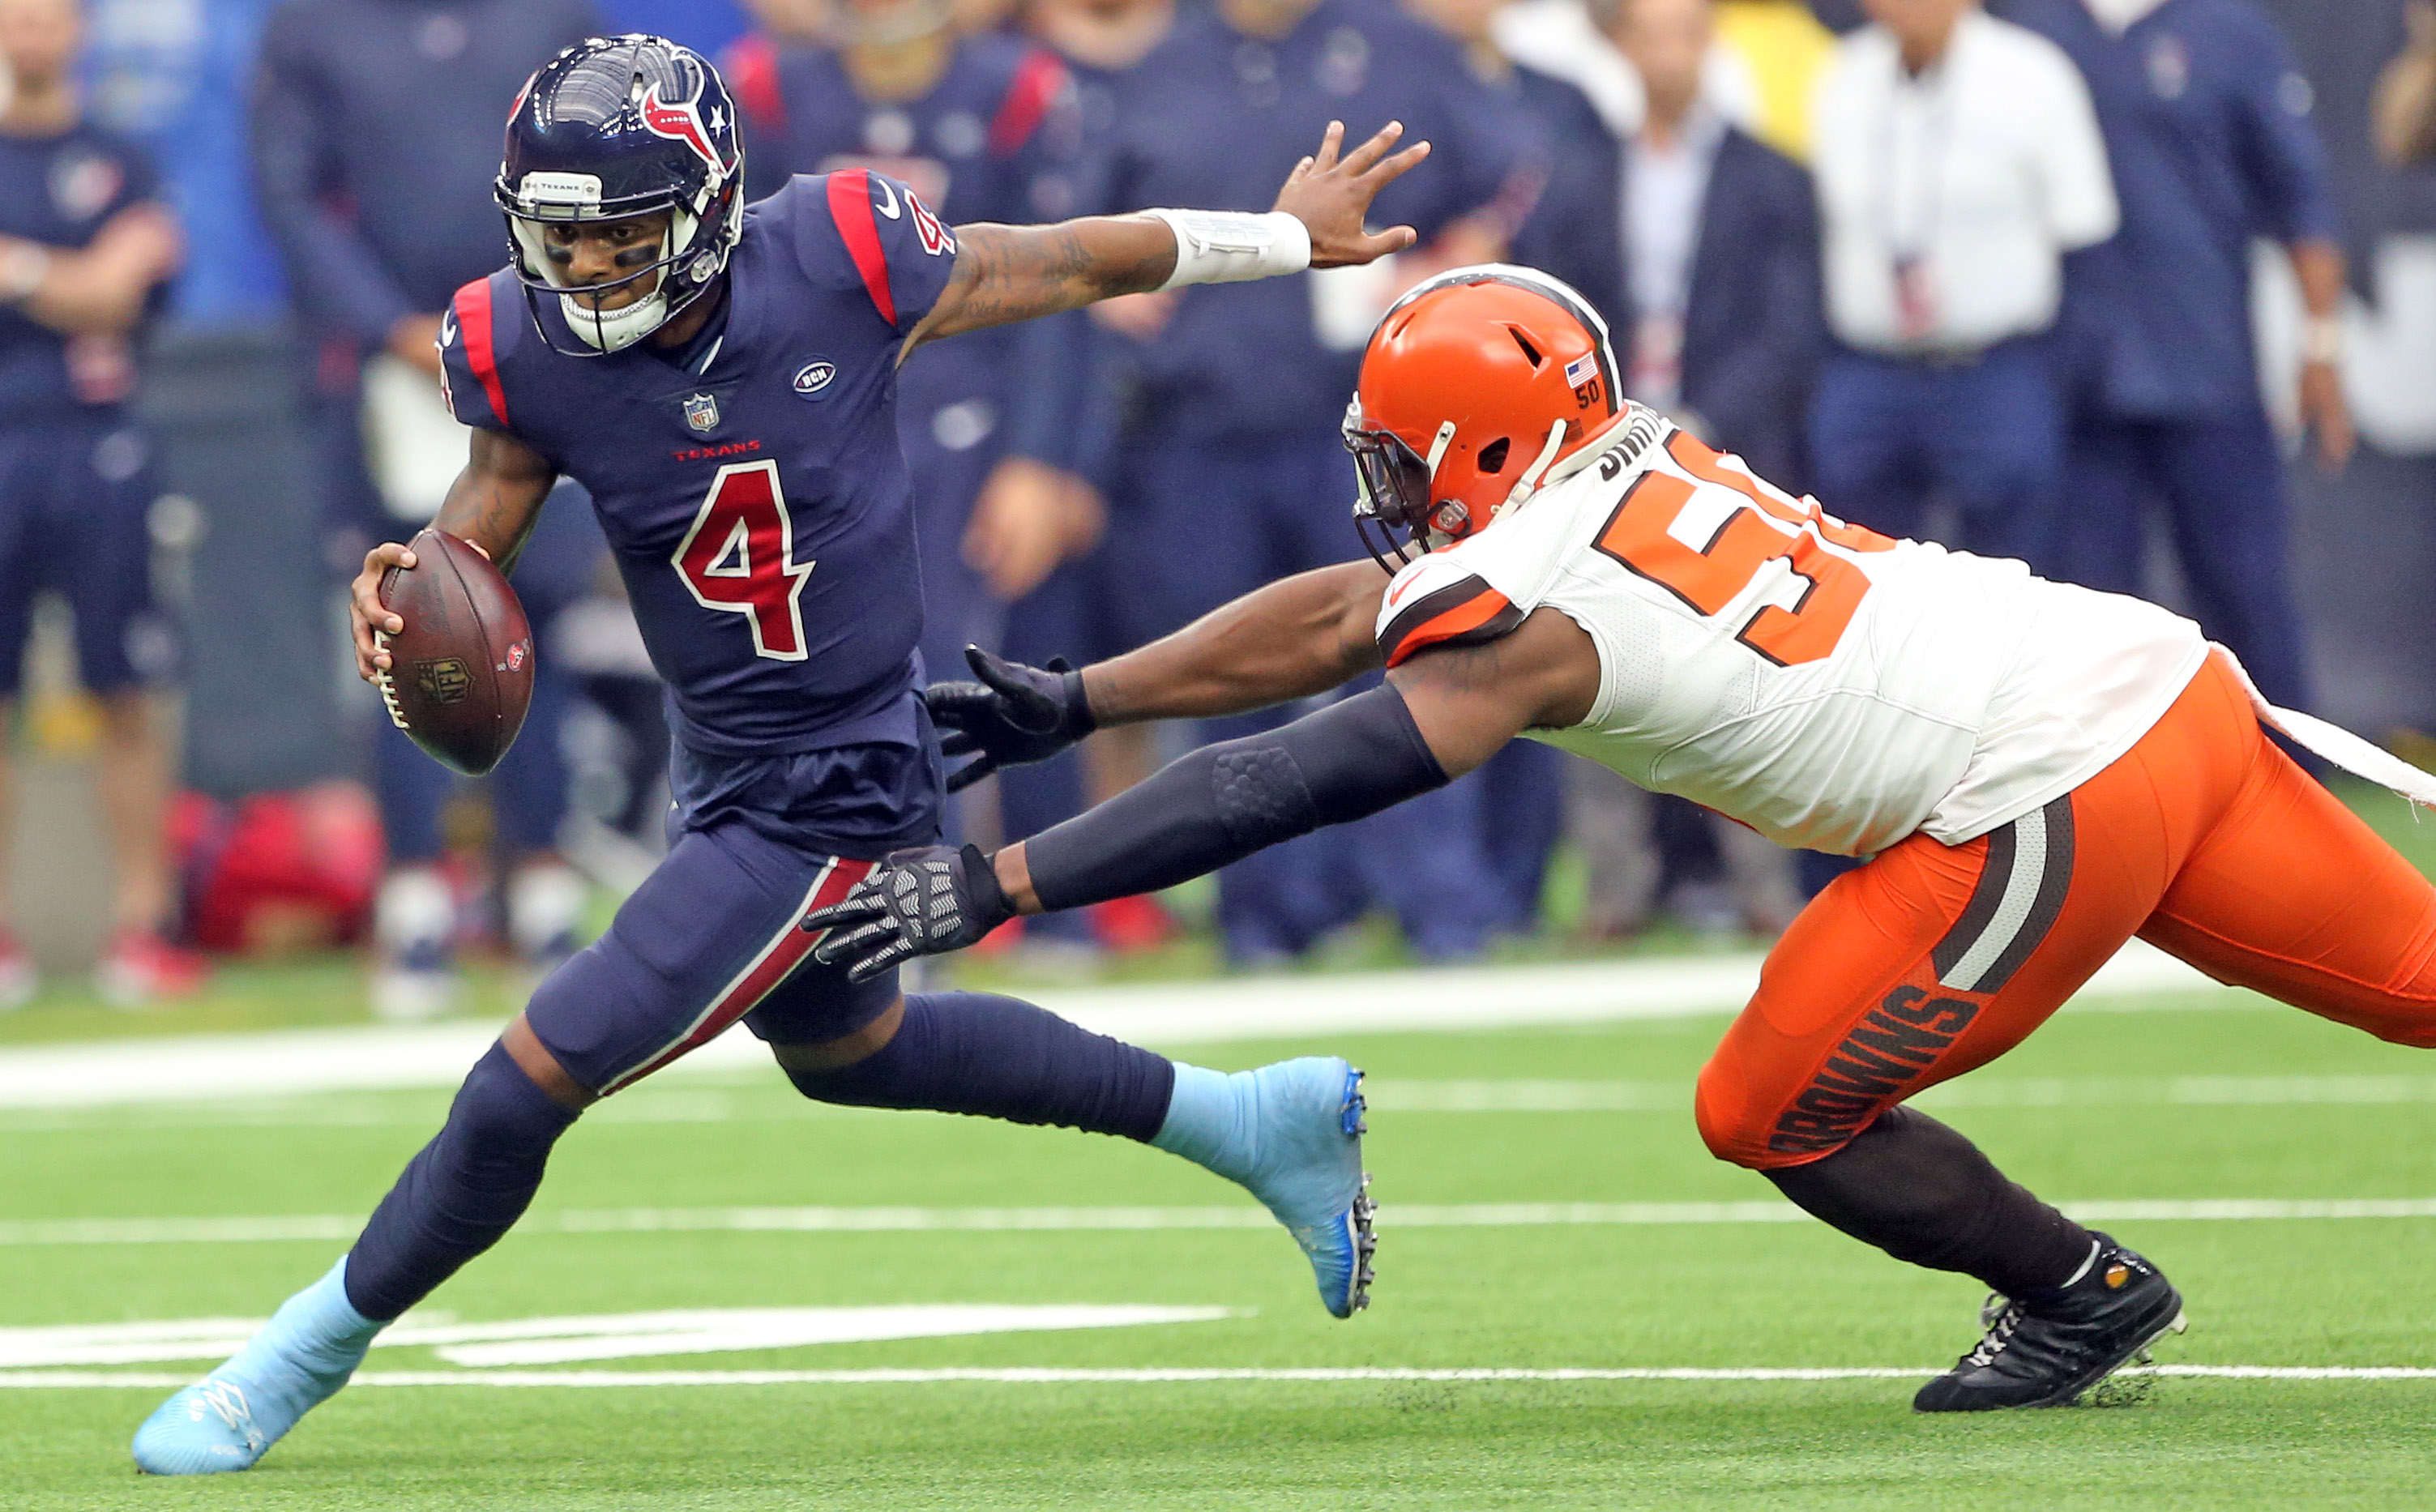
{"points": [[2204, 1097]]}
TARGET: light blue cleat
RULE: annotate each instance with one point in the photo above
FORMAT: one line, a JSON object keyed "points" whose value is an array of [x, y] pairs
{"points": [[228, 1419], [1291, 1133]]}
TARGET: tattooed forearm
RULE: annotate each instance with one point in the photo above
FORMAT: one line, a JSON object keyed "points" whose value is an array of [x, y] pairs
{"points": [[1009, 273], [496, 499]]}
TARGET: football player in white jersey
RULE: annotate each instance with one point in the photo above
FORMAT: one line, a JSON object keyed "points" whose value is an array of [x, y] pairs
{"points": [[2037, 773]]}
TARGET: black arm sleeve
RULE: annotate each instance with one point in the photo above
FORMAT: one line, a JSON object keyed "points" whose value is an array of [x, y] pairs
{"points": [[1223, 802]]}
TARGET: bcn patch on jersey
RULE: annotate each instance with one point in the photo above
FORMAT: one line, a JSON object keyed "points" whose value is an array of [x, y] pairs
{"points": [[1466, 612]]}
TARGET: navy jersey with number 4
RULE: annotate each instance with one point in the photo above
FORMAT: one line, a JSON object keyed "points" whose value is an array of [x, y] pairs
{"points": [[756, 498]]}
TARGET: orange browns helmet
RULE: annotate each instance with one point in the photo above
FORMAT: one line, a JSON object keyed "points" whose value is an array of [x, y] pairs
{"points": [[1478, 386]]}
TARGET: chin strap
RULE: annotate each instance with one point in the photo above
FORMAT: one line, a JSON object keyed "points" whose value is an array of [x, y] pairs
{"points": [[1528, 484]]}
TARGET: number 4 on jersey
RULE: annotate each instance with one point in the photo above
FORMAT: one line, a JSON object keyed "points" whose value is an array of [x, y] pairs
{"points": [[739, 557]]}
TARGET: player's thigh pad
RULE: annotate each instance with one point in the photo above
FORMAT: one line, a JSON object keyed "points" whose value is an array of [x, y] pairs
{"points": [[710, 936], [2293, 895], [1932, 959]]}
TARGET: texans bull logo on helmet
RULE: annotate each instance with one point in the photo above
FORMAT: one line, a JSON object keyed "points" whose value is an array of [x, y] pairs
{"points": [[681, 122]]}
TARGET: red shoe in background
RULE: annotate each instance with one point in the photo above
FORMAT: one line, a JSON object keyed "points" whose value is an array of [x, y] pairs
{"points": [[142, 968], [1131, 924], [17, 979]]}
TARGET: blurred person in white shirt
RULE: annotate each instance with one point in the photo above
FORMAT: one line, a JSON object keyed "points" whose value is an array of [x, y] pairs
{"points": [[1957, 159]]}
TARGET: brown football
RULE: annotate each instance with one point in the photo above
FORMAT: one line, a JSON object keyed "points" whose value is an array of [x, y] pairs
{"points": [[460, 672]]}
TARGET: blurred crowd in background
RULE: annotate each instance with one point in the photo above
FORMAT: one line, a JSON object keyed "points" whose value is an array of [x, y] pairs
{"points": [[2073, 281]]}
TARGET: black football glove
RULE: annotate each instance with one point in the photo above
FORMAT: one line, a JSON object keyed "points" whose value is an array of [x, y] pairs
{"points": [[919, 902], [1015, 714]]}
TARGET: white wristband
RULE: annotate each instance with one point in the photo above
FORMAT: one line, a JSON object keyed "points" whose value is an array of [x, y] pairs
{"points": [[1228, 246], [2322, 339]]}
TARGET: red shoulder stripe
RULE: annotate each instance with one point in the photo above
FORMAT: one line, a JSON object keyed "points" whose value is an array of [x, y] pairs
{"points": [[473, 318], [1037, 83], [752, 72], [1462, 613], [850, 207]]}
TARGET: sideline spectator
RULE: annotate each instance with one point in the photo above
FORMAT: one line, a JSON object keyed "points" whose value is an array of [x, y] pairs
{"points": [[2207, 123], [1242, 385], [86, 249], [1957, 161], [376, 139], [1570, 230], [1716, 307], [1720, 293], [1075, 612]]}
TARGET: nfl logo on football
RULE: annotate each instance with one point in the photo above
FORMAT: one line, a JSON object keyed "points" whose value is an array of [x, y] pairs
{"points": [[702, 413]]}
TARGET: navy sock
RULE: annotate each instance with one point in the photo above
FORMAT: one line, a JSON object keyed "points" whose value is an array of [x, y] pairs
{"points": [[997, 1057], [460, 1191]]}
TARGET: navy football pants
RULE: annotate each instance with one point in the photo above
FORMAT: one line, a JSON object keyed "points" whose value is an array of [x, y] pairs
{"points": [[74, 495], [1890, 437], [2220, 481]]}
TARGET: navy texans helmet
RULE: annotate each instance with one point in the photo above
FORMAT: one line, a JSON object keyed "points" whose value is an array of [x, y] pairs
{"points": [[616, 126]]}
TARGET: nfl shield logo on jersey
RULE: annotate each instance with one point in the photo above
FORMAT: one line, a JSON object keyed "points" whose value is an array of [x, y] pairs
{"points": [[702, 413]]}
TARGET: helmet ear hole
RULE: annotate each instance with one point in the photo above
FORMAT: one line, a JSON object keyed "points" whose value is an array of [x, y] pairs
{"points": [[1492, 457]]}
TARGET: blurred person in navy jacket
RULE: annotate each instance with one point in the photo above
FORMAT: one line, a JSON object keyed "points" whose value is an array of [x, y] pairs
{"points": [[377, 133], [1715, 302], [2207, 123], [1563, 201], [1239, 386], [86, 249], [1719, 294], [1074, 610]]}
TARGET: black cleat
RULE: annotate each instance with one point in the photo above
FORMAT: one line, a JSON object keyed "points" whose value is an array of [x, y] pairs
{"points": [[2046, 1349]]}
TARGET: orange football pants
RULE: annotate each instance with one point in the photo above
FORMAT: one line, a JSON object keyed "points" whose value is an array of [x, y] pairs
{"points": [[2205, 840]]}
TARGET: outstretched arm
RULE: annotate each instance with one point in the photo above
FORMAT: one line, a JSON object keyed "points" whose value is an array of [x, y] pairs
{"points": [[1298, 636], [1009, 273], [1293, 639], [1439, 716]]}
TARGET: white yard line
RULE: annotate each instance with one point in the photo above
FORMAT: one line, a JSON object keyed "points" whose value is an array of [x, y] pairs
{"points": [[700, 1105], [219, 1066], [340, 1226], [599, 1336], [1034, 1375]]}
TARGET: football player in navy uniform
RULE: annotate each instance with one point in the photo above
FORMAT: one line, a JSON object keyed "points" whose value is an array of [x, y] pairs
{"points": [[85, 249], [975, 125], [723, 380]]}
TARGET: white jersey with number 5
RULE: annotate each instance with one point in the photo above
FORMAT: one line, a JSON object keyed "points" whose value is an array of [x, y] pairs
{"points": [[1831, 687]]}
